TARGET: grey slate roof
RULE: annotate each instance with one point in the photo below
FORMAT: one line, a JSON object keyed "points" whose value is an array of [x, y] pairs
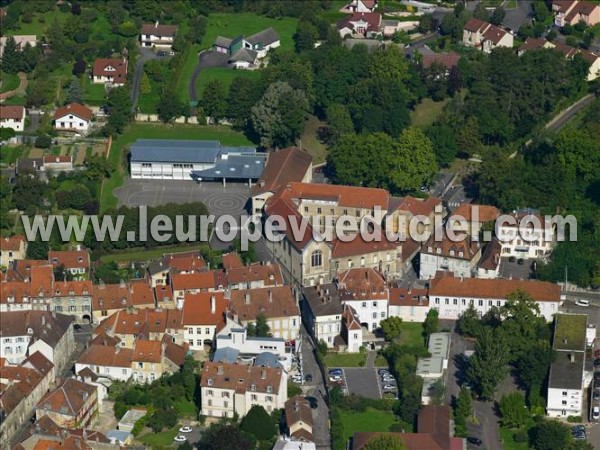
{"points": [[264, 37], [45, 325], [221, 41], [226, 354], [235, 166], [181, 151], [243, 54], [564, 373], [327, 306], [267, 359]]}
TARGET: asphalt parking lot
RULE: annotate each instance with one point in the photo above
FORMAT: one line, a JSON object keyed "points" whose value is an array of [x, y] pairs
{"points": [[220, 200], [363, 381], [515, 270]]}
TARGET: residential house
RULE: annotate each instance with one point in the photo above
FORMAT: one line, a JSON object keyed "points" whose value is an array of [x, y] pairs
{"points": [[21, 40], [322, 313], [252, 276], [23, 333], [34, 292], [73, 117], [432, 368], [112, 362], [246, 52], [452, 296], [460, 257], [534, 44], [110, 298], [231, 260], [366, 24], [362, 6], [298, 419], [593, 58], [571, 12], [158, 36], [147, 361], [443, 59], [366, 291], [76, 262], [73, 404], [203, 317], [184, 284], [234, 339], [526, 235], [352, 331], [111, 71], [12, 249], [12, 117], [566, 388], [21, 388], [435, 430], [489, 264], [228, 389], [56, 164], [471, 218], [159, 271], [277, 304], [73, 298], [410, 213], [484, 36], [411, 305], [284, 166]]}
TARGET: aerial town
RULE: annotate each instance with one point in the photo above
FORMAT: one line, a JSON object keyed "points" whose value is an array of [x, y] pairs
{"points": [[300, 224]]}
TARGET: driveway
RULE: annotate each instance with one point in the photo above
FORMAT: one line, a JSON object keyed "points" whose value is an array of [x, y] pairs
{"points": [[146, 54], [516, 17], [206, 59]]}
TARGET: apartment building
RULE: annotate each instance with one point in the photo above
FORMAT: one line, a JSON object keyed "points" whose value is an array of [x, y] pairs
{"points": [[460, 257], [113, 362], [11, 249], [76, 262], [111, 298], [527, 235], [159, 271], [73, 298], [204, 315], [366, 291], [73, 404], [322, 313], [411, 305]]}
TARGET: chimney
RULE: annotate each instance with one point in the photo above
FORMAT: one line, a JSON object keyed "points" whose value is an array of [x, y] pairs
{"points": [[43, 319], [213, 307], [572, 357], [156, 24], [263, 374], [270, 296], [247, 298]]}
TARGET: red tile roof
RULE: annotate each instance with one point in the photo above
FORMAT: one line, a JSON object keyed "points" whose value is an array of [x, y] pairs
{"points": [[70, 259], [12, 112], [465, 249], [485, 213], [198, 309], [241, 378], [269, 274], [157, 29], [106, 356], [48, 159], [192, 281], [68, 399], [532, 44], [350, 318], [415, 206], [141, 321], [350, 196], [147, 351], [362, 283], [448, 60], [408, 297], [475, 25], [372, 19], [12, 243], [75, 109], [232, 260], [494, 33], [273, 302], [102, 68], [283, 166], [359, 246]]}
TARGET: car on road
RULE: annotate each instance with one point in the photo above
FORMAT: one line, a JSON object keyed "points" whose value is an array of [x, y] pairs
{"points": [[512, 259], [388, 388], [185, 430], [596, 413], [180, 438], [474, 441], [520, 261], [583, 303]]}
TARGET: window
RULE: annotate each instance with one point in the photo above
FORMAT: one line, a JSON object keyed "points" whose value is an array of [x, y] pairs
{"points": [[269, 398], [209, 393], [564, 392], [374, 304], [463, 302], [254, 397], [437, 301], [374, 315], [190, 330], [480, 302], [198, 342], [490, 303], [198, 330], [140, 365], [455, 301], [382, 314], [306, 209], [124, 371], [210, 403], [564, 402], [447, 301], [316, 258], [207, 331], [318, 210], [364, 304]]}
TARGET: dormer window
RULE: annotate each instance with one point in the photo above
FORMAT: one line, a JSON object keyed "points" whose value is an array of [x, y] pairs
{"points": [[460, 254], [210, 382], [430, 249], [253, 388], [438, 251], [451, 252], [269, 389]]}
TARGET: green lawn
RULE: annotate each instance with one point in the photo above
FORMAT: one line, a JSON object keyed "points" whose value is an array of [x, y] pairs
{"points": [[186, 408], [232, 25], [15, 100], [136, 255], [148, 103], [345, 359], [40, 23], [369, 421], [508, 441], [426, 112], [226, 76], [9, 155], [10, 81], [412, 333], [163, 439], [93, 94], [311, 142], [182, 82], [158, 131]]}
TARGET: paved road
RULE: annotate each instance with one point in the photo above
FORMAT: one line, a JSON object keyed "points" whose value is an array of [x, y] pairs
{"points": [[565, 116], [205, 59], [517, 17]]}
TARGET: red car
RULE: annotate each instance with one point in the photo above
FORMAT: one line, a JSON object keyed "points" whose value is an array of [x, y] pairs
{"points": [[597, 353]]}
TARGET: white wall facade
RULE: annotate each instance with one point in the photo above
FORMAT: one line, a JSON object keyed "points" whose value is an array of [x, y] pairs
{"points": [[166, 171], [195, 335], [15, 124], [431, 263], [14, 348], [564, 402], [152, 40], [371, 312], [413, 313], [71, 122], [114, 373], [513, 243]]}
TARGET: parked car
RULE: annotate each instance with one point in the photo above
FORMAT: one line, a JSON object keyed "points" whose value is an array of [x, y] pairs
{"points": [[185, 430], [308, 377], [596, 394], [577, 428], [474, 441], [596, 413], [382, 371], [520, 261], [180, 438], [583, 303], [512, 259], [335, 378], [388, 388], [389, 379], [338, 372]]}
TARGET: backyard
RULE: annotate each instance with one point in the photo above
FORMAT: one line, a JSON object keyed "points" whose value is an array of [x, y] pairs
{"points": [[39, 23], [222, 74], [370, 420], [345, 359], [159, 440], [412, 334], [136, 255], [93, 94], [10, 81], [426, 112], [157, 131]]}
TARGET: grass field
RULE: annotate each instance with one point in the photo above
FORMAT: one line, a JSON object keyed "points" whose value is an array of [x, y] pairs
{"points": [[345, 359], [508, 441], [412, 334], [147, 103], [226, 76], [163, 439], [232, 25], [311, 142], [369, 421], [136, 255], [9, 155], [182, 83], [15, 100], [93, 94], [158, 131], [186, 408], [40, 23], [10, 81], [426, 112]]}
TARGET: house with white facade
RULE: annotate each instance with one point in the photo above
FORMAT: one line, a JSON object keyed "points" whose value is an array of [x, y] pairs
{"points": [[460, 257], [12, 248], [107, 361], [57, 164], [159, 36], [76, 262], [526, 235], [111, 71], [73, 117], [12, 117], [566, 380], [411, 305], [485, 37], [366, 24], [236, 337], [452, 296], [203, 317], [362, 6], [322, 312], [246, 52], [228, 389]]}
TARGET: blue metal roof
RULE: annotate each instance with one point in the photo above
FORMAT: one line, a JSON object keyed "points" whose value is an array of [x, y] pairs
{"points": [[226, 354], [236, 166], [181, 151], [267, 359]]}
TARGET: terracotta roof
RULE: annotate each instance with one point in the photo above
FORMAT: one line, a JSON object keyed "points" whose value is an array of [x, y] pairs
{"points": [[16, 292], [102, 355], [21, 269], [12, 243], [241, 378], [42, 280], [566, 50], [269, 274], [104, 338], [69, 443], [157, 29], [273, 302], [12, 112], [292, 219], [408, 297], [494, 33], [358, 284], [297, 409], [500, 288], [465, 249], [111, 296], [66, 288], [373, 20], [590, 57], [45, 325], [102, 68], [490, 259], [68, 399], [232, 260], [49, 159], [141, 321], [173, 352], [475, 25], [350, 196], [38, 362], [193, 281], [147, 351], [435, 420], [586, 8], [350, 318], [359, 246], [140, 293], [486, 213], [532, 44], [562, 5], [369, 3], [70, 259], [75, 109], [415, 206], [448, 60], [283, 166], [47, 427], [198, 309], [185, 262]]}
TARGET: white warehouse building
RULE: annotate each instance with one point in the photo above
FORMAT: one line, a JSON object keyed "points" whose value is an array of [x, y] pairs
{"points": [[194, 160]]}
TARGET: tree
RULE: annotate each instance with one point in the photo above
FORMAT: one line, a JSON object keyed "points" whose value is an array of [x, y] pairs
{"points": [[169, 107], [79, 67], [322, 347], [11, 57], [80, 196], [244, 93], [444, 143], [498, 16], [513, 410], [119, 110], [74, 93], [385, 442], [214, 100], [28, 192], [280, 115], [462, 411], [436, 392], [37, 249], [550, 435], [43, 141], [481, 13], [432, 322], [468, 322], [534, 364], [468, 142], [224, 436], [305, 37], [413, 160], [339, 122], [98, 167], [259, 423], [392, 327], [455, 80], [262, 327], [488, 366]]}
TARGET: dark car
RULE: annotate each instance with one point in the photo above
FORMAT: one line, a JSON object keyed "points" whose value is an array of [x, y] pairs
{"points": [[512, 259], [520, 261], [597, 362], [596, 394], [308, 377], [474, 441]]}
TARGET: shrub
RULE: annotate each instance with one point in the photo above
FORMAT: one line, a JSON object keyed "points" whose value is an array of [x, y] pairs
{"points": [[43, 141], [574, 419], [520, 436], [120, 409]]}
